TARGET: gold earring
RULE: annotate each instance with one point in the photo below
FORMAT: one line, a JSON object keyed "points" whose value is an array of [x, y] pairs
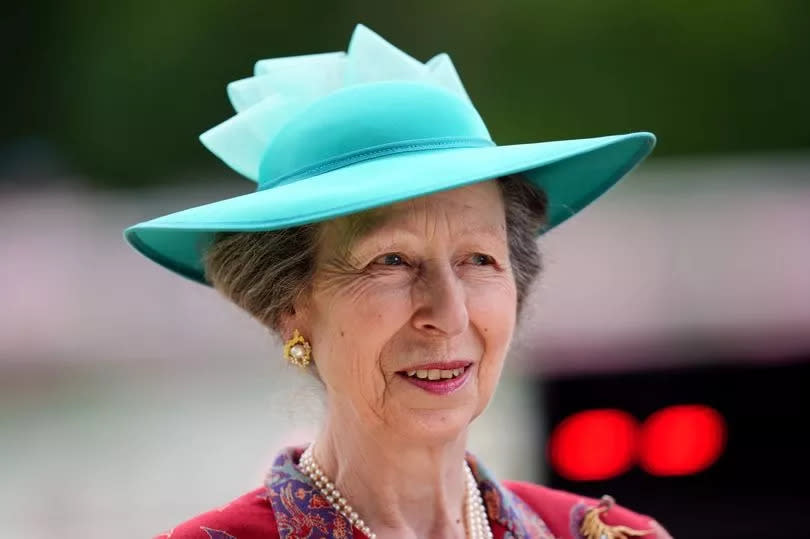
{"points": [[297, 350]]}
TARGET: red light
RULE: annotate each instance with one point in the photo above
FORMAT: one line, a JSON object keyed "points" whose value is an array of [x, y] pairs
{"points": [[681, 440], [594, 445]]}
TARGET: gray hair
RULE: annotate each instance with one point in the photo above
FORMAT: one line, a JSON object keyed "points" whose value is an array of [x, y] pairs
{"points": [[266, 273]]}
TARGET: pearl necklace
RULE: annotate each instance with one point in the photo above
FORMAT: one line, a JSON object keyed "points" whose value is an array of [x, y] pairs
{"points": [[477, 521]]}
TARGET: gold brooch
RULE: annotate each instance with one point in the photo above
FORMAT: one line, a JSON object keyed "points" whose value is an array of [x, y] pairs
{"points": [[593, 528]]}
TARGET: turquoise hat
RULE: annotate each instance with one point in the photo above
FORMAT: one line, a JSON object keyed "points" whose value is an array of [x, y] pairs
{"points": [[326, 135]]}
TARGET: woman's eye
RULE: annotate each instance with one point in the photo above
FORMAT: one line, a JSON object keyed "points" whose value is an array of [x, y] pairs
{"points": [[395, 259], [479, 259], [390, 259]]}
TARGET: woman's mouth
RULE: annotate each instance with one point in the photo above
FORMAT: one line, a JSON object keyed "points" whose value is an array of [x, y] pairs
{"points": [[440, 381]]}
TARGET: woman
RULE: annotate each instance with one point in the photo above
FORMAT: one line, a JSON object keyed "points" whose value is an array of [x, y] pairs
{"points": [[390, 243]]}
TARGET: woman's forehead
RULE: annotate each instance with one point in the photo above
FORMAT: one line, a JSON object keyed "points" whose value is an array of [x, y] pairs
{"points": [[476, 209]]}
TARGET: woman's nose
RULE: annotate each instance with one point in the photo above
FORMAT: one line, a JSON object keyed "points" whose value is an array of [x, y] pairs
{"points": [[441, 302]]}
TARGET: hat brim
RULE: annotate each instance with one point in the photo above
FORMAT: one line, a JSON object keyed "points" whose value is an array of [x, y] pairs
{"points": [[572, 173]]}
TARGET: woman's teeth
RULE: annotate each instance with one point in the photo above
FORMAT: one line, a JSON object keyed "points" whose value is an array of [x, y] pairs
{"points": [[436, 374]]}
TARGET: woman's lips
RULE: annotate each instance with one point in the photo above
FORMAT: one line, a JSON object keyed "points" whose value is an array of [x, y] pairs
{"points": [[440, 381]]}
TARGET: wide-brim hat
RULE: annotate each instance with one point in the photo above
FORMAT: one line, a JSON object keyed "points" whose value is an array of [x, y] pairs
{"points": [[325, 135]]}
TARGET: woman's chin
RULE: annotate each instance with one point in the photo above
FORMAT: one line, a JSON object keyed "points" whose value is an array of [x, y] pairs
{"points": [[433, 425]]}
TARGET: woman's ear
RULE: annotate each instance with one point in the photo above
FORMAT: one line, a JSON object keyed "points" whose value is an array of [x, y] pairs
{"points": [[294, 319]]}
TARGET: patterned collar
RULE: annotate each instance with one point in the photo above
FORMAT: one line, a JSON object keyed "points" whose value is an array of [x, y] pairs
{"points": [[302, 512]]}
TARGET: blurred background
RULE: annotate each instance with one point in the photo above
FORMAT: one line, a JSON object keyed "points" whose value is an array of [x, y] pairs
{"points": [[665, 355]]}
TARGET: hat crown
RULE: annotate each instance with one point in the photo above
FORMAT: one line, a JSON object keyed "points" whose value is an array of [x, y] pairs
{"points": [[369, 121], [281, 88]]}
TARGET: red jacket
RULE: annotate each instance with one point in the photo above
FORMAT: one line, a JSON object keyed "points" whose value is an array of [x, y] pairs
{"points": [[290, 507]]}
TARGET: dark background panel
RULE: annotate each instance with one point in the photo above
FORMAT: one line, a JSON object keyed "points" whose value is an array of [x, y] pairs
{"points": [[759, 485]]}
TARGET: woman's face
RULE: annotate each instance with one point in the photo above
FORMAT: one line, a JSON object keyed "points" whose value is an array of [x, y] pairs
{"points": [[412, 311]]}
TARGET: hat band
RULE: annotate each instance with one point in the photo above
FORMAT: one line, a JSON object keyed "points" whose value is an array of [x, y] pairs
{"points": [[375, 152]]}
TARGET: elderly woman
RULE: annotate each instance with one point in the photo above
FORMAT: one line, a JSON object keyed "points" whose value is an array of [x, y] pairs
{"points": [[391, 244]]}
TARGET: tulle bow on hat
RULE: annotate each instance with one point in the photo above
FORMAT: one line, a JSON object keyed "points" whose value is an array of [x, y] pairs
{"points": [[282, 87]]}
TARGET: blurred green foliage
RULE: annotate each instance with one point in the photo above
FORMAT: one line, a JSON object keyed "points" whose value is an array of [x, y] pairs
{"points": [[121, 90]]}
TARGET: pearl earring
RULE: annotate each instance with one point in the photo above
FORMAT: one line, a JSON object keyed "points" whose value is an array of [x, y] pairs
{"points": [[297, 350]]}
